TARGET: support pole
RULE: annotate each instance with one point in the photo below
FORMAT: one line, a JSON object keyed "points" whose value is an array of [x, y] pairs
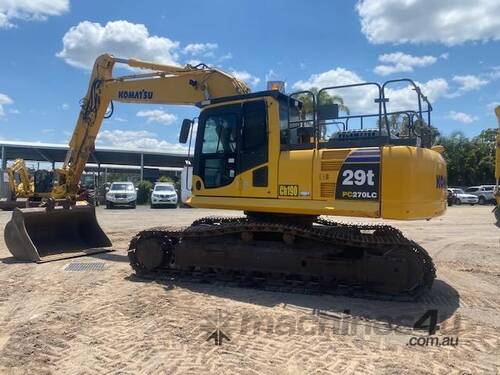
{"points": [[2, 173], [142, 166], [98, 176]]}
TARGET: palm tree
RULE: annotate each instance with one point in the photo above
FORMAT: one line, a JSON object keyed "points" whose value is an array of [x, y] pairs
{"points": [[323, 98]]}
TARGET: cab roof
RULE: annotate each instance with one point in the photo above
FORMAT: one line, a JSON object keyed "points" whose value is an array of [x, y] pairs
{"points": [[259, 94]]}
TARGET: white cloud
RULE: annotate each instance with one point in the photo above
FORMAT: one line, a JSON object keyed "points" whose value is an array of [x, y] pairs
{"points": [[417, 21], [4, 100], [227, 56], [158, 115], [83, 43], [14, 111], [137, 139], [200, 48], [271, 75], [495, 73], [469, 82], [30, 10], [404, 98], [462, 117], [492, 105], [360, 100], [65, 106], [334, 77], [397, 62], [434, 88], [243, 75], [4, 22]]}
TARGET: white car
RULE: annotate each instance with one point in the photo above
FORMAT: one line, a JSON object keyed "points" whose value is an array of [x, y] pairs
{"points": [[164, 194], [485, 193], [121, 194], [462, 198]]}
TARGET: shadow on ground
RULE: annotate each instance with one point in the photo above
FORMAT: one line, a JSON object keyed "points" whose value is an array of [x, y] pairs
{"points": [[442, 297], [12, 260]]}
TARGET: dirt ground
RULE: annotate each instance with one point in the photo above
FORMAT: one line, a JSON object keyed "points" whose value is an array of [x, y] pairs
{"points": [[105, 320]]}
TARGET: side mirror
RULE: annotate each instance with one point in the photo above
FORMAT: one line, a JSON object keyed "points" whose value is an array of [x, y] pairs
{"points": [[328, 111], [186, 127]]}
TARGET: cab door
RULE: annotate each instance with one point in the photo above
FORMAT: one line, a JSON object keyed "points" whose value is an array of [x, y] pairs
{"points": [[232, 151], [254, 168], [216, 156]]}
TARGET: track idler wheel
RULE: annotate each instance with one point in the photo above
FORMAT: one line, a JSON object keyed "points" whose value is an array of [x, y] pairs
{"points": [[150, 254]]}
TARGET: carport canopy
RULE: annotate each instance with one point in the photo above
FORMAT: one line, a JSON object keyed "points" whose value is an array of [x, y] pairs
{"points": [[55, 153]]}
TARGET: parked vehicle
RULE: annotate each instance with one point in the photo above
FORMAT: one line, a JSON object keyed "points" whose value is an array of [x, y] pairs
{"points": [[485, 193], [462, 198], [164, 194], [451, 197], [121, 194]]}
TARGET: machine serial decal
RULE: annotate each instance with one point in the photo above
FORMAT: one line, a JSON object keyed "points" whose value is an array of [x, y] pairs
{"points": [[140, 94], [358, 178], [289, 190]]}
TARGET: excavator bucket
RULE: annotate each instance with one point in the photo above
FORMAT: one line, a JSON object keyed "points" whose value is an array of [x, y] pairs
{"points": [[41, 235]]}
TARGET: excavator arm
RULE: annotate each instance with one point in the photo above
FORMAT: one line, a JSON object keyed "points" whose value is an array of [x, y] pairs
{"points": [[52, 233], [164, 84]]}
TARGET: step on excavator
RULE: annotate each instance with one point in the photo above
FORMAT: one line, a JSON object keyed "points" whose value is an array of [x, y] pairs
{"points": [[290, 162]]}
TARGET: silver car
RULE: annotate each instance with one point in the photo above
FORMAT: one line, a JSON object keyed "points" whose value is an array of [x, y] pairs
{"points": [[121, 194], [485, 193], [463, 198]]}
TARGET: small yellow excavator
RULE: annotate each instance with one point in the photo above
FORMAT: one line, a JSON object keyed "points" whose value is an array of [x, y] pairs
{"points": [[25, 187], [497, 169], [285, 160], [26, 190]]}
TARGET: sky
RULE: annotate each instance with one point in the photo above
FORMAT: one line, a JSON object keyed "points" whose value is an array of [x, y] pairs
{"points": [[451, 48]]}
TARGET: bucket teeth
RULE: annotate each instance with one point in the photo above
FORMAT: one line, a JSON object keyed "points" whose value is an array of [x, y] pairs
{"points": [[39, 235]]}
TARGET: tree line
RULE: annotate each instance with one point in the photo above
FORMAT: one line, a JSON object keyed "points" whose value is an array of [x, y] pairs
{"points": [[471, 161]]}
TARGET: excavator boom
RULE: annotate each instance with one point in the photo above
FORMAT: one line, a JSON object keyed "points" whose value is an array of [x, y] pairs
{"points": [[72, 230]]}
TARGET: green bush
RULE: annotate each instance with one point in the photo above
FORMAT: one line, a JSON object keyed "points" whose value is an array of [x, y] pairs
{"points": [[175, 181], [166, 179], [144, 192]]}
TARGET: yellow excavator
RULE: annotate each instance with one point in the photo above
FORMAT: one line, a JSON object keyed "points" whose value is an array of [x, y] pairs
{"points": [[25, 187], [497, 169], [270, 155], [26, 190]]}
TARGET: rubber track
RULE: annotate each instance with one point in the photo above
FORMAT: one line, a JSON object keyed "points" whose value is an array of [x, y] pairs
{"points": [[374, 238]]}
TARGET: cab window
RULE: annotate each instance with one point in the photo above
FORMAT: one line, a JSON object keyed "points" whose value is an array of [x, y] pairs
{"points": [[220, 134]]}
